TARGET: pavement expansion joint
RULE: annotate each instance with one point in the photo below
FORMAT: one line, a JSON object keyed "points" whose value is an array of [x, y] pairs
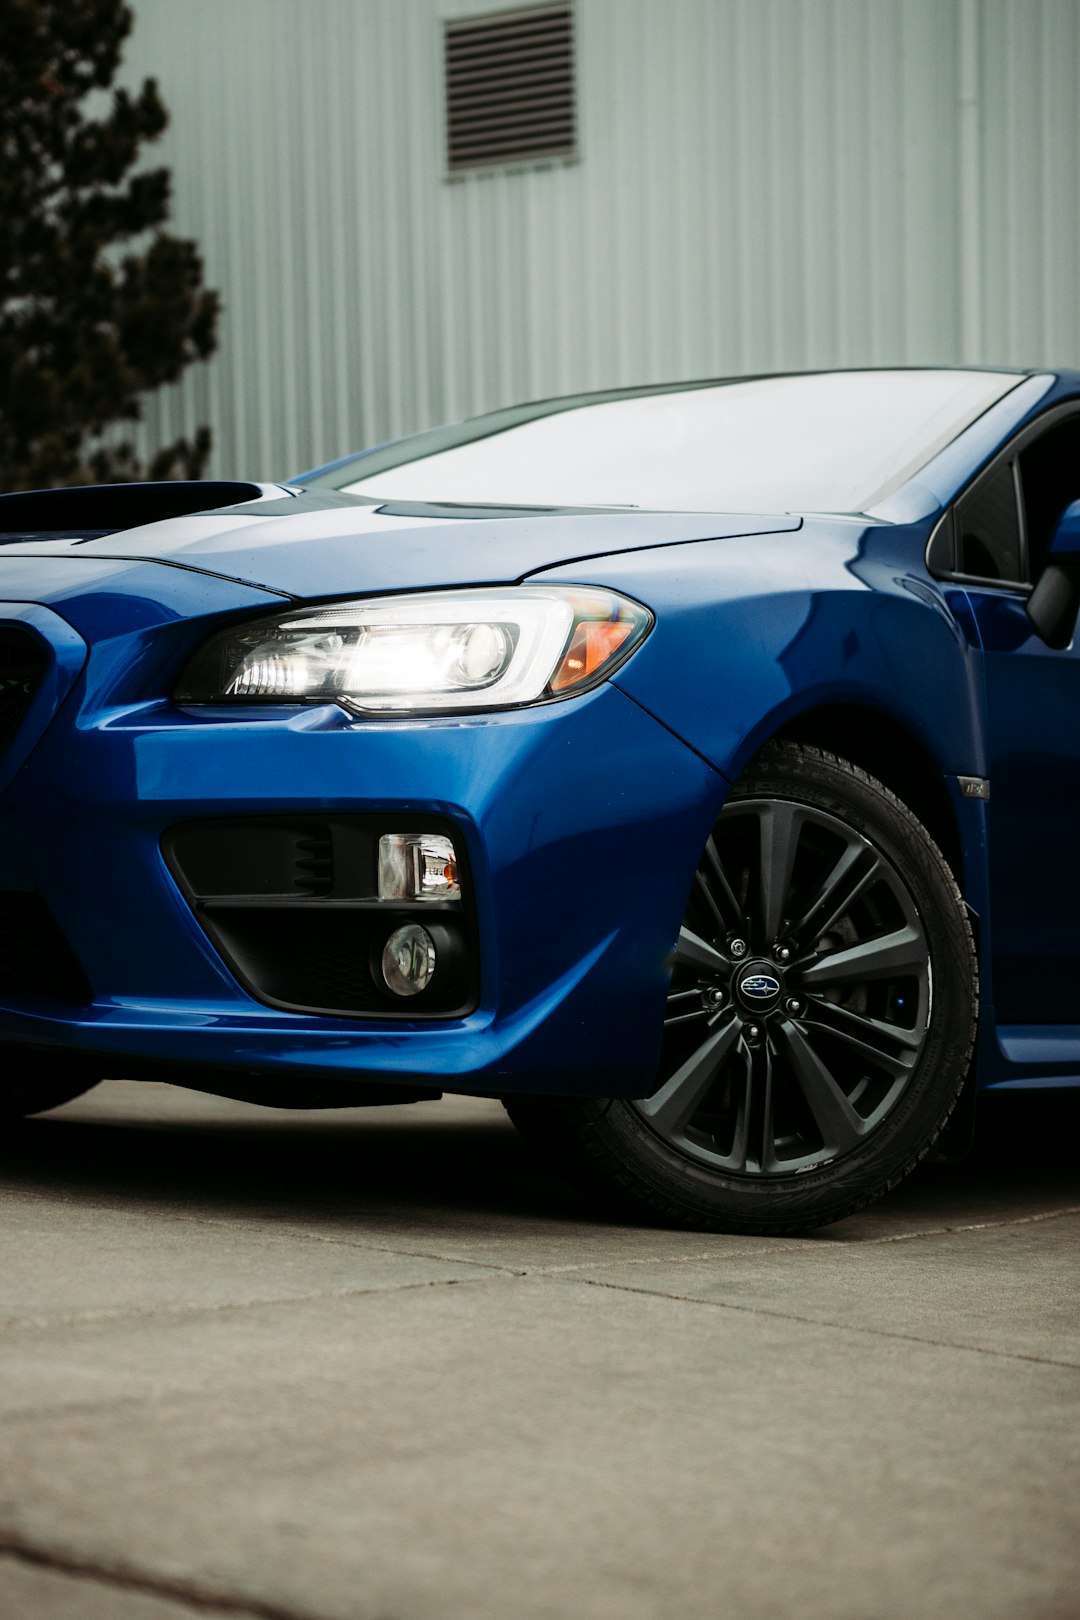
{"points": [[964, 1226], [360, 1241], [828, 1322], [627, 1260], [134, 1313], [124, 1578]]}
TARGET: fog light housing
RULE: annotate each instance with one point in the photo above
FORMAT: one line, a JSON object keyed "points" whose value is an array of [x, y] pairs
{"points": [[408, 960], [418, 866]]}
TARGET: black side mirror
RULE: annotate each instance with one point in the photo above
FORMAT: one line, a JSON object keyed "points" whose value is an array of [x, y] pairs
{"points": [[1054, 604]]}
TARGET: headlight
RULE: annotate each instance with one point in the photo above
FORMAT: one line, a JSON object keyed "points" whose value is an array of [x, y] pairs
{"points": [[442, 653]]}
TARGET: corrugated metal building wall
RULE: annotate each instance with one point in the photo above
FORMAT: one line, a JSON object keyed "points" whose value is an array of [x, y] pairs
{"points": [[761, 184]]}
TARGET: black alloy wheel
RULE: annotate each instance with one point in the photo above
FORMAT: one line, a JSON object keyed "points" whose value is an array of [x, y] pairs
{"points": [[820, 1019], [801, 994]]}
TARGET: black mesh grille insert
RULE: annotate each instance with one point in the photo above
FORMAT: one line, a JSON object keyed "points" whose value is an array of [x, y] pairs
{"points": [[306, 958], [35, 958], [22, 663]]}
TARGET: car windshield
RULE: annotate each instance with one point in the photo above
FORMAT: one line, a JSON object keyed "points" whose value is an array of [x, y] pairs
{"points": [[826, 441]]}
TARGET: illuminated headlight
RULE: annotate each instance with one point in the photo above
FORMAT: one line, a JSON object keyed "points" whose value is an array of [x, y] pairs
{"points": [[437, 653]]}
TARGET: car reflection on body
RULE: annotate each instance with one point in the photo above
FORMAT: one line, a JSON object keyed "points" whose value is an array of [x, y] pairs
{"points": [[690, 768]]}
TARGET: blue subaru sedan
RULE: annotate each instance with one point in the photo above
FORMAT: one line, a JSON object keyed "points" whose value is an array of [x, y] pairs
{"points": [[693, 768]]}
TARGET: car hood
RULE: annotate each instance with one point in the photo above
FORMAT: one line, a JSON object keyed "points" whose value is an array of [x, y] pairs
{"points": [[319, 545]]}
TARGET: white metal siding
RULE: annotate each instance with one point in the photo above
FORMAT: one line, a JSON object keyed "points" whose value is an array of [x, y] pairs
{"points": [[761, 184]]}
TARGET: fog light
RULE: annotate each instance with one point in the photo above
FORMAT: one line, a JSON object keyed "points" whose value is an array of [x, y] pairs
{"points": [[417, 866], [408, 960]]}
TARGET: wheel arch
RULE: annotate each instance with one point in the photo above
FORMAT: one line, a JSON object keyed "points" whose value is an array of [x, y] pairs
{"points": [[890, 751]]}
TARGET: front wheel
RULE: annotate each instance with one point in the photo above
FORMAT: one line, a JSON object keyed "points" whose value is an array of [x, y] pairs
{"points": [[819, 1024]]}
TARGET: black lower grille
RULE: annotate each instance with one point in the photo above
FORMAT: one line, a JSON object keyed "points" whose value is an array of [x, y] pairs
{"points": [[302, 958], [290, 903], [22, 664], [35, 958]]}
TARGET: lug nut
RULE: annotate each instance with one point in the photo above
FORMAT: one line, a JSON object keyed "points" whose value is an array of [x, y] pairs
{"points": [[793, 1006], [738, 947], [716, 998], [782, 953], [752, 1032]]}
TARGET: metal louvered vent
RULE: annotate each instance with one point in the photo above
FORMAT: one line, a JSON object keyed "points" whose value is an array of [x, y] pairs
{"points": [[510, 87]]}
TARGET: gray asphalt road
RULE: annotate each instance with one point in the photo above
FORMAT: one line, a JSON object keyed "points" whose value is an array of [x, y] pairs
{"points": [[380, 1366]]}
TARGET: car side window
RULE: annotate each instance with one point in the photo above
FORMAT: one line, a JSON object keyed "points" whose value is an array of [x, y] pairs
{"points": [[1050, 481], [989, 538]]}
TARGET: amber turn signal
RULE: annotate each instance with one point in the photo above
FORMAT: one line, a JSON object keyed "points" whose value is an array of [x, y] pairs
{"points": [[590, 648]]}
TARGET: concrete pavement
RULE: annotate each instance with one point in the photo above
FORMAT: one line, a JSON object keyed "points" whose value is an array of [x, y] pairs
{"points": [[381, 1366]]}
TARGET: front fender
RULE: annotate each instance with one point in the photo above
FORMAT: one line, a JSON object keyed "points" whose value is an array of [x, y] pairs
{"points": [[752, 634]]}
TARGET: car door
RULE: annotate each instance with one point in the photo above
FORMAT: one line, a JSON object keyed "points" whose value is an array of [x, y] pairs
{"points": [[994, 541]]}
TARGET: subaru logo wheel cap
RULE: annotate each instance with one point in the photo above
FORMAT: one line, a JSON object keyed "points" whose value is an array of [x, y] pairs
{"points": [[759, 986]]}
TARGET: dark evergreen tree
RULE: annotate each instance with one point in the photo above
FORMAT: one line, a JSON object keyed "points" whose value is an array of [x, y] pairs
{"points": [[98, 303]]}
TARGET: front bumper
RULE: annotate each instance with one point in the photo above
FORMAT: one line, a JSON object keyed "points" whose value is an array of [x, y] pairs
{"points": [[582, 823]]}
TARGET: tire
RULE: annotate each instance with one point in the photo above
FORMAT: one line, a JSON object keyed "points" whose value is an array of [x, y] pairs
{"points": [[21, 1097], [820, 1021]]}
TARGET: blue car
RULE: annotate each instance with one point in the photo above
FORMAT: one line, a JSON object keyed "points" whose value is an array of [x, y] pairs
{"points": [[693, 768]]}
